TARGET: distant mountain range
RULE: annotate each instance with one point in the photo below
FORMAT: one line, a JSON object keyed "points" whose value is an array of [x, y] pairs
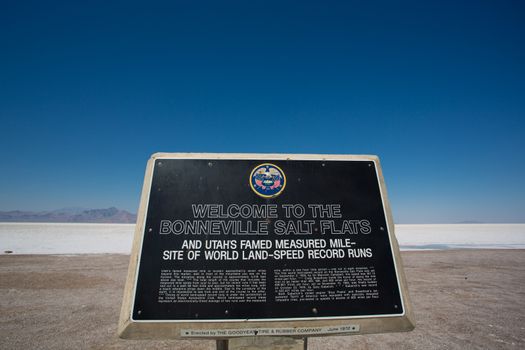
{"points": [[109, 215]]}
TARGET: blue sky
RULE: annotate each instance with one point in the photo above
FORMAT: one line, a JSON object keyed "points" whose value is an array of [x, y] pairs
{"points": [[88, 91]]}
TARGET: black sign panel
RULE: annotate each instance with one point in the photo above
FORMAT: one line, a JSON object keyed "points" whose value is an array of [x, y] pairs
{"points": [[278, 239]]}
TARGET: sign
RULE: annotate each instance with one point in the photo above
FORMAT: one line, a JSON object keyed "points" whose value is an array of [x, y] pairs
{"points": [[261, 242]]}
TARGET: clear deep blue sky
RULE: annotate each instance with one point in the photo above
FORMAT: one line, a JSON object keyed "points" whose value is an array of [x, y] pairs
{"points": [[435, 88]]}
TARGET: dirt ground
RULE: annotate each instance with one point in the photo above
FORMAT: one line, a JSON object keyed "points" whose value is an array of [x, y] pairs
{"points": [[462, 299]]}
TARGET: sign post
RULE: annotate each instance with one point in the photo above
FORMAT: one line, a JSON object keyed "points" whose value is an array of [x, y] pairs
{"points": [[243, 245]]}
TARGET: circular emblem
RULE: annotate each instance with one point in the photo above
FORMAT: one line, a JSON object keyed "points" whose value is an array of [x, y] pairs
{"points": [[267, 180]]}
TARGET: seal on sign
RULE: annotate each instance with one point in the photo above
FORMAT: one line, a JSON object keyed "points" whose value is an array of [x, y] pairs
{"points": [[267, 180]]}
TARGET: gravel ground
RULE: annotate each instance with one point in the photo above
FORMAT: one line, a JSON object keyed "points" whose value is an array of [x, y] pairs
{"points": [[462, 299]]}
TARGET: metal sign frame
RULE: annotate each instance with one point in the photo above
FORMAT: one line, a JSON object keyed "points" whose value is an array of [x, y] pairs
{"points": [[228, 328]]}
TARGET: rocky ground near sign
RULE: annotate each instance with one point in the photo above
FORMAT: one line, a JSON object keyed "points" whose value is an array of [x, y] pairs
{"points": [[461, 299]]}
